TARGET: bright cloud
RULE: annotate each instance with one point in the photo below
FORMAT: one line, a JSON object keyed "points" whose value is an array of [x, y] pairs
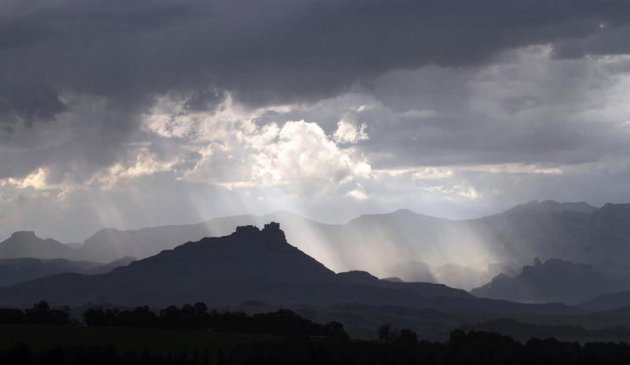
{"points": [[348, 132], [143, 164], [307, 160], [36, 180], [357, 193], [235, 149]]}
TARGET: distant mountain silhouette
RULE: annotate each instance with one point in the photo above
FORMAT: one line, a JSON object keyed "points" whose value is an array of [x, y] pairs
{"points": [[27, 244], [13, 271], [611, 302], [571, 232], [454, 251], [546, 206], [554, 280], [250, 264], [107, 267], [616, 312]]}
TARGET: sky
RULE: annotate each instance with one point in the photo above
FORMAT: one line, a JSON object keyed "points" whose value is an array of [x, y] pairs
{"points": [[137, 113]]}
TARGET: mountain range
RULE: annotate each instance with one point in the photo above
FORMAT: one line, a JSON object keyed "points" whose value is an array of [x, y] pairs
{"points": [[554, 280], [17, 270], [402, 244], [247, 265], [617, 303]]}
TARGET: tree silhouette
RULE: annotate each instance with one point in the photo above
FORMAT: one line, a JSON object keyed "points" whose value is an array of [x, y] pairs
{"points": [[386, 332], [407, 336], [41, 313]]}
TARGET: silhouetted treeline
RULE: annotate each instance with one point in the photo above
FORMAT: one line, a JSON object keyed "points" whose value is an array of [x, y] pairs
{"points": [[41, 313], [389, 333], [191, 317], [306, 347], [197, 316], [462, 349]]}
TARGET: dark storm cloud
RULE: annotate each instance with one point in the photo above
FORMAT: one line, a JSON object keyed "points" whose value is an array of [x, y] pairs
{"points": [[32, 102], [267, 51]]}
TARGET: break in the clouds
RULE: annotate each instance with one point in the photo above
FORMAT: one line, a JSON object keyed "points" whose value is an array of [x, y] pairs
{"points": [[131, 113]]}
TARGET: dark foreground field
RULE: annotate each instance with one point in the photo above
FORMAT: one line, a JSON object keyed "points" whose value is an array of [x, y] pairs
{"points": [[192, 334], [158, 341], [63, 344]]}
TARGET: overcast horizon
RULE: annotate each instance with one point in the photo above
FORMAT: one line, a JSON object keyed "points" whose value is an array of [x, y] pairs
{"points": [[133, 114]]}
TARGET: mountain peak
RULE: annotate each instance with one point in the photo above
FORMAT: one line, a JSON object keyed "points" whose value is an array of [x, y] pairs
{"points": [[404, 212], [271, 232], [27, 244], [247, 230], [21, 235], [272, 228]]}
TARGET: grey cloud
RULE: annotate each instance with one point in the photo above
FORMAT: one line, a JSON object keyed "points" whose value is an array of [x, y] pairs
{"points": [[77, 144], [531, 108], [28, 103], [270, 52], [92, 67]]}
